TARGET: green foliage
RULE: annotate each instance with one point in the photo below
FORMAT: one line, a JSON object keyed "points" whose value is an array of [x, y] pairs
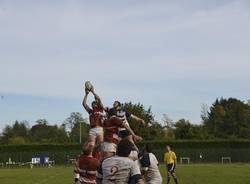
{"points": [[74, 122], [212, 151], [228, 118], [17, 140], [185, 130], [152, 130]]}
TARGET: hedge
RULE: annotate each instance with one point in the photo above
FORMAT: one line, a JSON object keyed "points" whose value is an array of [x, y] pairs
{"points": [[211, 151]]}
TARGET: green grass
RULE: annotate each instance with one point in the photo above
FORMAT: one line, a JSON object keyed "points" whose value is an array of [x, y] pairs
{"points": [[187, 174]]}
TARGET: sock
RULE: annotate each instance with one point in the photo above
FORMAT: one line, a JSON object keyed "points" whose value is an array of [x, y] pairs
{"points": [[168, 179], [175, 180]]}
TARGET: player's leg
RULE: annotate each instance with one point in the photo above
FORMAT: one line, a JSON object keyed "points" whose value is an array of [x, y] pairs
{"points": [[168, 167], [99, 136], [168, 178], [124, 134], [92, 137], [174, 177]]}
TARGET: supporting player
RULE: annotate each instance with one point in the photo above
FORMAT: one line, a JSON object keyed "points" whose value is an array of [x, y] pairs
{"points": [[96, 114], [119, 168], [87, 166], [111, 138], [149, 166], [121, 113], [170, 161]]}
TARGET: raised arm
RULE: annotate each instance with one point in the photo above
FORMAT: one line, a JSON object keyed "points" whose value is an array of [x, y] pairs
{"points": [[97, 98], [137, 119], [136, 137], [84, 102]]}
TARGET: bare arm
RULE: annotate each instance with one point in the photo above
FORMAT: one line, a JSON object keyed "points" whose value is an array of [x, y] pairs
{"points": [[97, 98], [137, 119], [84, 102], [140, 181], [136, 137]]}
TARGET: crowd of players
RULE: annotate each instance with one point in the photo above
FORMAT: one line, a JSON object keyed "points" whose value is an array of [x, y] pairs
{"points": [[110, 155]]}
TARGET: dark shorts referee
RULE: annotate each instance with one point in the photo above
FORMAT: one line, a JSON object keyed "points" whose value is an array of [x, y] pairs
{"points": [[170, 161]]}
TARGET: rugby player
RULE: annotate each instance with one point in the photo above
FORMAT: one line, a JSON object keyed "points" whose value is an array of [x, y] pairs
{"points": [[149, 166], [170, 161], [111, 138], [121, 113], [120, 169], [87, 166], [96, 114]]}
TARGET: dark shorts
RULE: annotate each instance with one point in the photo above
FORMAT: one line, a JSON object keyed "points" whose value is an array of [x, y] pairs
{"points": [[123, 133], [171, 168]]}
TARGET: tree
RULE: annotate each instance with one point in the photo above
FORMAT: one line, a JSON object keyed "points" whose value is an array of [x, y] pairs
{"points": [[229, 118], [18, 130], [183, 129], [74, 122], [44, 133], [168, 125], [152, 130]]}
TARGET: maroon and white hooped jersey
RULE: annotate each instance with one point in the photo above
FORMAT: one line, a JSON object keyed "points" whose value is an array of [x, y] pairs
{"points": [[111, 129], [87, 168]]}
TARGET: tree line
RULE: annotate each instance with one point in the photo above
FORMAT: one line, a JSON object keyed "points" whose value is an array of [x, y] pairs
{"points": [[225, 119]]}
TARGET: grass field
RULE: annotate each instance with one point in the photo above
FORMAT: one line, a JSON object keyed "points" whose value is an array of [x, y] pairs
{"points": [[188, 174]]}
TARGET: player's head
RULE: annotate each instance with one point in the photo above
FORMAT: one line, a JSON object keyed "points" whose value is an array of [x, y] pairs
{"points": [[87, 148], [117, 104], [94, 104], [124, 148], [148, 148], [168, 148]]}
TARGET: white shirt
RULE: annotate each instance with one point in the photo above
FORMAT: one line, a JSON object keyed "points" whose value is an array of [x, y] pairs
{"points": [[118, 170], [152, 172]]}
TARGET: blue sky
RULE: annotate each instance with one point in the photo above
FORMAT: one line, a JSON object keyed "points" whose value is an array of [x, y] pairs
{"points": [[173, 55]]}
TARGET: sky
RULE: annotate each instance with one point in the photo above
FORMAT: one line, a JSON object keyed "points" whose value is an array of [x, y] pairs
{"points": [[171, 55]]}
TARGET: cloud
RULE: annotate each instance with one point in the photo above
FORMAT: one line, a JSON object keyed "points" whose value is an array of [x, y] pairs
{"points": [[157, 52]]}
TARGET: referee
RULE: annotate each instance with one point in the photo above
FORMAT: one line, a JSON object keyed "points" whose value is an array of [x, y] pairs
{"points": [[170, 161]]}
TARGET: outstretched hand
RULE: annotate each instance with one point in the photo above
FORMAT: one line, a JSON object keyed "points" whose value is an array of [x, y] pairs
{"points": [[137, 138], [86, 91]]}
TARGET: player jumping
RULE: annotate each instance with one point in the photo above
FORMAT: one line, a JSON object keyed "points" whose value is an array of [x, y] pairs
{"points": [[121, 113], [111, 138], [96, 114]]}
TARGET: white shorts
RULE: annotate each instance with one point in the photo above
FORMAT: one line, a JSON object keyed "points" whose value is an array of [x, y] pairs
{"points": [[109, 147], [98, 131]]}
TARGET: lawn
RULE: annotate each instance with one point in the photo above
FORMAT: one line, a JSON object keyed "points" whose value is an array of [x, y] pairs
{"points": [[188, 174]]}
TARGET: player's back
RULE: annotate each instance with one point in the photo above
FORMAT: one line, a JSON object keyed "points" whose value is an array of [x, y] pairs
{"points": [[152, 173], [87, 169], [111, 127], [118, 170]]}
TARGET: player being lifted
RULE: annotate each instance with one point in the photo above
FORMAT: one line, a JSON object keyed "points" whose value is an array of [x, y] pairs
{"points": [[123, 114], [111, 138], [96, 115]]}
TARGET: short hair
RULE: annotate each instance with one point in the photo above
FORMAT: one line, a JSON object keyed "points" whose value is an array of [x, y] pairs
{"points": [[94, 103], [124, 148], [148, 148], [87, 148], [119, 103], [169, 146]]}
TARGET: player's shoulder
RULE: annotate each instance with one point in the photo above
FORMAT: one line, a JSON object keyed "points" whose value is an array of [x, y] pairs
{"points": [[152, 155], [172, 152]]}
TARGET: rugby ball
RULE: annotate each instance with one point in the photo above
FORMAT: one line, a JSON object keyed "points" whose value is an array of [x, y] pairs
{"points": [[88, 85]]}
